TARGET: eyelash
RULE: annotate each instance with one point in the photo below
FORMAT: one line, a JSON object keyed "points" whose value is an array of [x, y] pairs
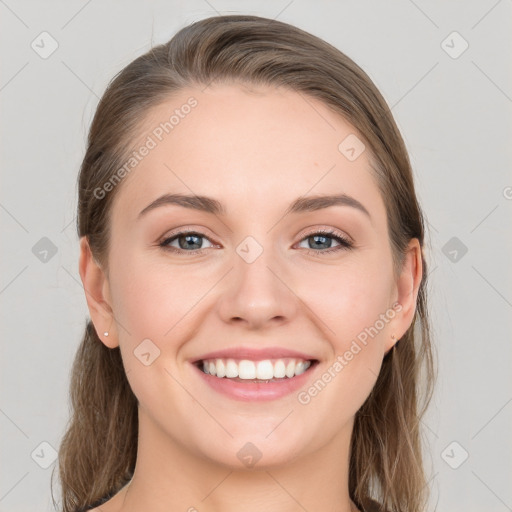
{"points": [[344, 242]]}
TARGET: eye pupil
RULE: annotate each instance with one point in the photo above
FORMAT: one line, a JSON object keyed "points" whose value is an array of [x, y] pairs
{"points": [[188, 238], [323, 242]]}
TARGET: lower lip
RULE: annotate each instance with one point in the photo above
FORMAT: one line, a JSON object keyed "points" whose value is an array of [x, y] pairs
{"points": [[256, 391]]}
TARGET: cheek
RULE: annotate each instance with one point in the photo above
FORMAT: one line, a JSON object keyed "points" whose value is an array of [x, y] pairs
{"points": [[349, 304], [151, 297], [348, 298]]}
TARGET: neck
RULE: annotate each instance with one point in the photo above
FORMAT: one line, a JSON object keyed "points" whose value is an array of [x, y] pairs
{"points": [[169, 477]]}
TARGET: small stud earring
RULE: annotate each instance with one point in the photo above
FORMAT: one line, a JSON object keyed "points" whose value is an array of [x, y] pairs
{"points": [[106, 332]]}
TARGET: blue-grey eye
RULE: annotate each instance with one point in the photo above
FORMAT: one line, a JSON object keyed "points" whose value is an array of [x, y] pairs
{"points": [[186, 241], [324, 241]]}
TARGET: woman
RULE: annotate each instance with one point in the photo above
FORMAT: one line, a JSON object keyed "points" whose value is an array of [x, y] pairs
{"points": [[252, 259]]}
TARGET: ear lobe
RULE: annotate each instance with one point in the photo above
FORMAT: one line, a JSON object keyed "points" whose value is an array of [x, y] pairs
{"points": [[393, 342], [96, 288], [407, 287]]}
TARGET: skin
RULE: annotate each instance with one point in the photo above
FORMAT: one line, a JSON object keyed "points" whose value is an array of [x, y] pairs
{"points": [[255, 150]]}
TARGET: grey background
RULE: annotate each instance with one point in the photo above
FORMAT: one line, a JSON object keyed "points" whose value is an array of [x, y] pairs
{"points": [[455, 116]]}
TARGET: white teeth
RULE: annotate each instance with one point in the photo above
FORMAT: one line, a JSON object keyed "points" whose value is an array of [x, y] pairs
{"points": [[231, 369], [300, 367], [246, 369], [249, 370], [290, 369], [264, 370], [221, 368], [279, 369]]}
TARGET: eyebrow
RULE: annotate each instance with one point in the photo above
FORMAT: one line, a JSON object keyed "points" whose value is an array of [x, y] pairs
{"points": [[210, 205]]}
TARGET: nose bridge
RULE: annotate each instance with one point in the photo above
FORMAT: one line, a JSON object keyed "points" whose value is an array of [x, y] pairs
{"points": [[256, 292]]}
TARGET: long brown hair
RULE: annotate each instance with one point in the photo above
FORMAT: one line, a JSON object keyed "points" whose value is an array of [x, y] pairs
{"points": [[98, 451]]}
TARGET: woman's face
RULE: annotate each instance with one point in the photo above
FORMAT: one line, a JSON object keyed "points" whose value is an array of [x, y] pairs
{"points": [[253, 276]]}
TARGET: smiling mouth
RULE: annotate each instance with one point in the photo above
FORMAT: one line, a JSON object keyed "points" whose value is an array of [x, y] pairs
{"points": [[263, 371]]}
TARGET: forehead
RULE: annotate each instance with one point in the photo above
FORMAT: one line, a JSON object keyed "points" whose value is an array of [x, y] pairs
{"points": [[250, 147]]}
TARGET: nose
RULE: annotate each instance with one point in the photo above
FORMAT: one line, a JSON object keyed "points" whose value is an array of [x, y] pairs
{"points": [[257, 294]]}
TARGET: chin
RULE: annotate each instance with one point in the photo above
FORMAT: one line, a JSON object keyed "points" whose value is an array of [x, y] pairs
{"points": [[254, 452]]}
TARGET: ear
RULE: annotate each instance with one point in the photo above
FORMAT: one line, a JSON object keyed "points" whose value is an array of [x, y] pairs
{"points": [[97, 294], [406, 292]]}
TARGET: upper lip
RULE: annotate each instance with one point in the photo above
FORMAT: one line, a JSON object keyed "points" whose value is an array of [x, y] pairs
{"points": [[254, 354]]}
